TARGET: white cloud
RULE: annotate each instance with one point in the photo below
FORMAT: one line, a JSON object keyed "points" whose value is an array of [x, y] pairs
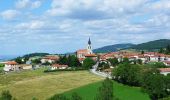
{"points": [[20, 4], [34, 24], [36, 4], [10, 14]]}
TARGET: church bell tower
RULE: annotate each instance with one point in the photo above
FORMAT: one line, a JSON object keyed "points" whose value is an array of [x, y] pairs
{"points": [[89, 47]]}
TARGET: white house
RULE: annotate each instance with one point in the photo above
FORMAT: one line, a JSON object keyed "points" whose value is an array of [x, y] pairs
{"points": [[11, 66], [25, 66], [50, 59], [57, 66], [164, 71]]}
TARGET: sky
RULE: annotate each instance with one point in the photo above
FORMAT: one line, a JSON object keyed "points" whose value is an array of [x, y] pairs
{"points": [[61, 26]]}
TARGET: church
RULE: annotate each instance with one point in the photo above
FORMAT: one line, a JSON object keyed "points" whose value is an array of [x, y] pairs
{"points": [[86, 53]]}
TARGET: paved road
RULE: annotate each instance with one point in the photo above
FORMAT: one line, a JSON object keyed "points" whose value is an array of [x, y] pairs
{"points": [[94, 71]]}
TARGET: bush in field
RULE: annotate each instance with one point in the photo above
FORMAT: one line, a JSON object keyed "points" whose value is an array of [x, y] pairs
{"points": [[58, 97], [5, 95]]}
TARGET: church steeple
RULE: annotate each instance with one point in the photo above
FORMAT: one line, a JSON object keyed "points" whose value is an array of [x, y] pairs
{"points": [[89, 42], [89, 47]]}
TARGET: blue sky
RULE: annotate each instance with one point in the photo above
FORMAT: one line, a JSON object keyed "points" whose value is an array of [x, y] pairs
{"points": [[60, 26]]}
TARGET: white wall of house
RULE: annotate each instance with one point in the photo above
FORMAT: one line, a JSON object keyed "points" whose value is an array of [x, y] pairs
{"points": [[54, 68], [165, 73], [47, 60], [11, 67]]}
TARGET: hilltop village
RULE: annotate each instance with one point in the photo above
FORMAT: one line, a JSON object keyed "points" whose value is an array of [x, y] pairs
{"points": [[141, 69], [52, 61]]}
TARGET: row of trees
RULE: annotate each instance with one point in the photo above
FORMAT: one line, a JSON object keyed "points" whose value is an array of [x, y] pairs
{"points": [[71, 61], [150, 79]]}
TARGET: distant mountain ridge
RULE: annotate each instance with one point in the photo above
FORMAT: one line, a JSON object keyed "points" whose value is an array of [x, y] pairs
{"points": [[148, 46], [152, 45], [113, 48]]}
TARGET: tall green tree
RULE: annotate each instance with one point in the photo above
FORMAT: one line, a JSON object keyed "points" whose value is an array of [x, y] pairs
{"points": [[105, 92], [88, 63]]}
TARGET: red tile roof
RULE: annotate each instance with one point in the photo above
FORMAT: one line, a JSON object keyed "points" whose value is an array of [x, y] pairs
{"points": [[11, 63], [51, 57], [164, 69], [90, 55], [167, 62], [81, 59], [82, 51]]}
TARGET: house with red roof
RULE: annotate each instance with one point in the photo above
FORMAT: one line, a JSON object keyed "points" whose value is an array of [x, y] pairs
{"points": [[164, 71], [11, 66], [58, 66], [49, 59]]}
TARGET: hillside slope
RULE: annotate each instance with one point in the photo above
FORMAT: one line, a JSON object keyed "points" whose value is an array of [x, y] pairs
{"points": [[112, 48], [152, 45]]}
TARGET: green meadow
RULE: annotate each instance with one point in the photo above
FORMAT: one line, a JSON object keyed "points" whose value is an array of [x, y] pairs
{"points": [[121, 91]]}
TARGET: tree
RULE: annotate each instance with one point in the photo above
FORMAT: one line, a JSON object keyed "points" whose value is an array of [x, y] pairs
{"points": [[36, 61], [161, 50], [19, 60], [63, 60], [127, 74], [154, 84], [113, 61], [168, 49], [73, 61], [5, 95], [88, 63], [75, 96], [105, 92], [126, 60], [139, 61], [142, 52]]}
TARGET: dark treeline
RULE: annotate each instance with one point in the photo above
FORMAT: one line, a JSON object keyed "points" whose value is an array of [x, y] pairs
{"points": [[149, 78], [71, 61]]}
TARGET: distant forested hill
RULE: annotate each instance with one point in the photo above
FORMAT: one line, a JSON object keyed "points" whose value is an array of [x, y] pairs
{"points": [[112, 48], [152, 45], [35, 54]]}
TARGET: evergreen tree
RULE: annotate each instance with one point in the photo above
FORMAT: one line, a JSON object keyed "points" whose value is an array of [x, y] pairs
{"points": [[105, 92]]}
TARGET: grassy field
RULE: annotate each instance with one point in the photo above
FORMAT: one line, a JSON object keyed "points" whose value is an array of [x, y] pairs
{"points": [[29, 84], [122, 92]]}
